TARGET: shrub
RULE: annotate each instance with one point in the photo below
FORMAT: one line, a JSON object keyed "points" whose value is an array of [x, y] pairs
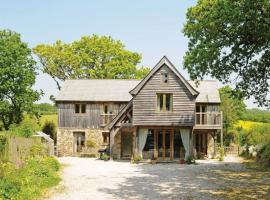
{"points": [[50, 129], [221, 153], [26, 128], [28, 182], [91, 143], [189, 160], [37, 150], [105, 157], [3, 147], [136, 158], [263, 155]]}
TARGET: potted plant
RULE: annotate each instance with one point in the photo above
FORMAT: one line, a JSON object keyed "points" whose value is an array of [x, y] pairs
{"points": [[105, 157], [182, 161], [154, 160]]}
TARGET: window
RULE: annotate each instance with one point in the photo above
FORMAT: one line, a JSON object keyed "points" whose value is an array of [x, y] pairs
{"points": [[164, 102], [105, 138], [164, 77], [80, 108]]}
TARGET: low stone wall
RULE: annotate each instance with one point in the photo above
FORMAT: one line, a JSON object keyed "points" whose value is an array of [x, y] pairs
{"points": [[65, 140]]}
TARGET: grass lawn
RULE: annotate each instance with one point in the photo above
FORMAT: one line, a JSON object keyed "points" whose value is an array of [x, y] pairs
{"points": [[52, 117]]}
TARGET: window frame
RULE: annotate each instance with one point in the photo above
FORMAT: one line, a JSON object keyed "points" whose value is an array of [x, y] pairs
{"points": [[164, 102], [80, 108]]}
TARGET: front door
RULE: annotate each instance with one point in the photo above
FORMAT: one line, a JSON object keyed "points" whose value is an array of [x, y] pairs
{"points": [[79, 142], [164, 144], [126, 145]]}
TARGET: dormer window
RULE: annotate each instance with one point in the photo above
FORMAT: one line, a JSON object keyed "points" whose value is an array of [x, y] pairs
{"points": [[164, 77], [80, 108]]}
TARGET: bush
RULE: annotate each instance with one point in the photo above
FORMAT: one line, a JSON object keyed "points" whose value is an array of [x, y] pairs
{"points": [[26, 128], [105, 157], [28, 182], [136, 158], [263, 155], [50, 129], [3, 147], [221, 153], [190, 160], [91, 143]]}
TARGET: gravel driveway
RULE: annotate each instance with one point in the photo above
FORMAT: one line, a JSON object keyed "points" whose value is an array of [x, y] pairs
{"points": [[86, 178]]}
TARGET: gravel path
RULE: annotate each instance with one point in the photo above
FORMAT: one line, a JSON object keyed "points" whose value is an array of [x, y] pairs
{"points": [[86, 178]]}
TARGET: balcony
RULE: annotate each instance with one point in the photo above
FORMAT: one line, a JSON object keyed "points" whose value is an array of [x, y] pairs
{"points": [[106, 119], [208, 120]]}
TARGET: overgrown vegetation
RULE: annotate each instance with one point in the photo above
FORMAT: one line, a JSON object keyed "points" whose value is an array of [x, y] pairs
{"points": [[26, 128], [50, 129], [91, 143], [29, 181], [221, 153]]}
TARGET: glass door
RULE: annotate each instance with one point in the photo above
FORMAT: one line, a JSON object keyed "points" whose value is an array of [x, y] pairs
{"points": [[164, 144]]}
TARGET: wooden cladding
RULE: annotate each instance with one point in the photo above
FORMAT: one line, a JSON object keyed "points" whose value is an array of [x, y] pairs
{"points": [[94, 116], [145, 103]]}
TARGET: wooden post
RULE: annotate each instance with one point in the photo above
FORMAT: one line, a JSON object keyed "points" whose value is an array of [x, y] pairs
{"points": [[134, 143], [191, 143], [171, 144], [221, 137], [155, 144], [111, 140], [163, 144]]}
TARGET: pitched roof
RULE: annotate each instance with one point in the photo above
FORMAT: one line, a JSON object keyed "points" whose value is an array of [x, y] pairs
{"points": [[163, 61], [97, 90], [208, 91]]}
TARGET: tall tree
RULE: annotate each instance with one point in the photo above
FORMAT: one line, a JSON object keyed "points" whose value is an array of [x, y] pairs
{"points": [[232, 107], [17, 76], [230, 40], [90, 57]]}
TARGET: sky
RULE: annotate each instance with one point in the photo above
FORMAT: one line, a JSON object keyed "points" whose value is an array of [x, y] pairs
{"points": [[152, 28]]}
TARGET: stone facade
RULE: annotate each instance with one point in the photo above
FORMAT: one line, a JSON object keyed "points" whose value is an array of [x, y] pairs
{"points": [[66, 141], [117, 146]]}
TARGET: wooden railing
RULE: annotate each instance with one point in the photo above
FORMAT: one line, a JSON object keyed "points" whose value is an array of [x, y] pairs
{"points": [[208, 118], [106, 119]]}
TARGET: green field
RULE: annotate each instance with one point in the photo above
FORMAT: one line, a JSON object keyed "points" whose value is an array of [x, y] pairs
{"points": [[51, 117], [246, 125]]}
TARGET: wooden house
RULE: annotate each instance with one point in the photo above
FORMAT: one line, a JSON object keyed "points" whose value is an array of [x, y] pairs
{"points": [[163, 116]]}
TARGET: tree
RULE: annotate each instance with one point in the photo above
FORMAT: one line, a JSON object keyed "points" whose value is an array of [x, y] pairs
{"points": [[233, 108], [95, 57], [230, 40], [50, 129], [17, 76]]}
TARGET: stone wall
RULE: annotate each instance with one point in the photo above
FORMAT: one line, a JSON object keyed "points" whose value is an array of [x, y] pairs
{"points": [[117, 146], [65, 140]]}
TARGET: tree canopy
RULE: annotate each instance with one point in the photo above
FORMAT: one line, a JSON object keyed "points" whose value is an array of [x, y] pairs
{"points": [[91, 57], [230, 41], [17, 76], [233, 108]]}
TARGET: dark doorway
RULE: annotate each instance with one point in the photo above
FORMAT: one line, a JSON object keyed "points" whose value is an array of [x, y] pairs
{"points": [[79, 141], [126, 145]]}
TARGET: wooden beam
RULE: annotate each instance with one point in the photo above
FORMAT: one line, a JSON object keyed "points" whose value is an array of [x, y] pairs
{"points": [[171, 144]]}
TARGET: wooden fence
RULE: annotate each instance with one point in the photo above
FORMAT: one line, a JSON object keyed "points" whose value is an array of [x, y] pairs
{"points": [[234, 150]]}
